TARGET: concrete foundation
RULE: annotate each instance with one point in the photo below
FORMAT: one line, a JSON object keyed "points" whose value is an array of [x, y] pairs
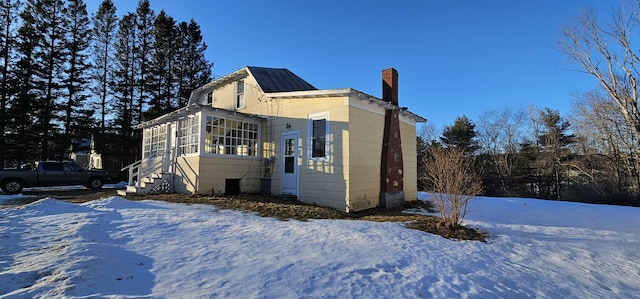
{"points": [[391, 200]]}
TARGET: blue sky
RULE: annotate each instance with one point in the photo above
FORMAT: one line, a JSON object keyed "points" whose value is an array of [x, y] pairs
{"points": [[453, 57]]}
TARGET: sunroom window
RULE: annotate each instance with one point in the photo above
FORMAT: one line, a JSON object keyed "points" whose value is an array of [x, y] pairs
{"points": [[226, 136], [154, 141], [189, 129]]}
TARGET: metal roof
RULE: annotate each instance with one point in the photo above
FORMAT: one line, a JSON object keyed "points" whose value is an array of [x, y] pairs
{"points": [[278, 80]]}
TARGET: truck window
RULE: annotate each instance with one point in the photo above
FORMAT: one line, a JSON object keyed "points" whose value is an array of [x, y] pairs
{"points": [[71, 168], [51, 166]]}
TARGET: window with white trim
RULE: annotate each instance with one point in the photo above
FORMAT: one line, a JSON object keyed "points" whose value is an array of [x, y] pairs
{"points": [[225, 136], [208, 98], [188, 140], [319, 135], [154, 141], [240, 94]]}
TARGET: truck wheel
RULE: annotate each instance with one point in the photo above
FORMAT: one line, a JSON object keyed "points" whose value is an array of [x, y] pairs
{"points": [[95, 183], [12, 186]]}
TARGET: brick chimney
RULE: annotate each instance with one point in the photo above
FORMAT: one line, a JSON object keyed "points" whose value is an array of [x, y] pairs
{"points": [[391, 164], [390, 86]]}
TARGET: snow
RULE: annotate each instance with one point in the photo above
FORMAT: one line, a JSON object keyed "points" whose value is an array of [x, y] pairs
{"points": [[116, 248]]}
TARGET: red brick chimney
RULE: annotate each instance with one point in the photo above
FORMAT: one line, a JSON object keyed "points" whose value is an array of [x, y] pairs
{"points": [[391, 164], [390, 86]]}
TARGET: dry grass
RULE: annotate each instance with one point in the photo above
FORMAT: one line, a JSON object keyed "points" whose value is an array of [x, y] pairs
{"points": [[286, 209]]}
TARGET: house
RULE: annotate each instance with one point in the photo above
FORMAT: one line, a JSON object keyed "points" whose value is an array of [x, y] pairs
{"points": [[267, 130]]}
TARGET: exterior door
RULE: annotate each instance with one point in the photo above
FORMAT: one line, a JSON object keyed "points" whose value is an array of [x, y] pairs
{"points": [[289, 165]]}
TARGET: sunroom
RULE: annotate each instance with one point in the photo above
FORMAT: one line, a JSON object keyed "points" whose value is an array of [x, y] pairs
{"points": [[199, 149]]}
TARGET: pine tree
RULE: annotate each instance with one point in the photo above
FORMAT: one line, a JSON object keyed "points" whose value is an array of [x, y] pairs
{"points": [[193, 70], [554, 140], [8, 23], [105, 23], [50, 56], [163, 67], [124, 86], [77, 111], [145, 18], [22, 143], [461, 135]]}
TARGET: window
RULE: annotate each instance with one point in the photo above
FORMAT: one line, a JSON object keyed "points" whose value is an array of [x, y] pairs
{"points": [[208, 98], [189, 128], [318, 134], [318, 138], [154, 141], [240, 94], [52, 166], [71, 168], [226, 136]]}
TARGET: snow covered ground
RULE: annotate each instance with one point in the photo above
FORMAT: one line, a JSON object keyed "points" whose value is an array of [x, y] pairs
{"points": [[117, 248]]}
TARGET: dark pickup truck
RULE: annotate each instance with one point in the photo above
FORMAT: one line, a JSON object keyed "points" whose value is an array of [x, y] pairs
{"points": [[51, 174]]}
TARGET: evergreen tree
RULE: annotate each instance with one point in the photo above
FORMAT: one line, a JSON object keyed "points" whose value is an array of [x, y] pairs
{"points": [[124, 88], [194, 70], [163, 67], [22, 143], [8, 23], [554, 140], [77, 112], [461, 135], [145, 18], [105, 23], [51, 23]]}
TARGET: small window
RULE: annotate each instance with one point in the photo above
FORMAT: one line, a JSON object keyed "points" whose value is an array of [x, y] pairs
{"points": [[208, 98], [240, 94]]}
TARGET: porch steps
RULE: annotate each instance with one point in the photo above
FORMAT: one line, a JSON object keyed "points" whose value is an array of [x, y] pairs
{"points": [[155, 183]]}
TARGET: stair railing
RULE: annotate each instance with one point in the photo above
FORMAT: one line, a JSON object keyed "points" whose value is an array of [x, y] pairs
{"points": [[145, 167]]}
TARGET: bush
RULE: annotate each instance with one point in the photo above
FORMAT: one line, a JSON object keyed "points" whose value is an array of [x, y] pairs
{"points": [[452, 183]]}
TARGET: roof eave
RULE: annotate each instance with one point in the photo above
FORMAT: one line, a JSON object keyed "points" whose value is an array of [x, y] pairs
{"points": [[189, 110]]}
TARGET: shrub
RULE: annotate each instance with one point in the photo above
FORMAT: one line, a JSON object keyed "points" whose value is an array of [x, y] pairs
{"points": [[452, 181]]}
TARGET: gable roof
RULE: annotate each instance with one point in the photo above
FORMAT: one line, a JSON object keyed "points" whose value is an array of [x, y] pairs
{"points": [[278, 80]]}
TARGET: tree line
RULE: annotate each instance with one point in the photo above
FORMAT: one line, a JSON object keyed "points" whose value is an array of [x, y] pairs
{"points": [[592, 155], [589, 156], [67, 75]]}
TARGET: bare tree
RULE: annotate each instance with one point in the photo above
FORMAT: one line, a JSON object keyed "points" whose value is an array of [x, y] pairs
{"points": [[607, 53], [452, 182], [500, 133], [609, 146]]}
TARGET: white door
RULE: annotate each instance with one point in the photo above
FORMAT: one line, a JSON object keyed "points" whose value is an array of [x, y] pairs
{"points": [[289, 164]]}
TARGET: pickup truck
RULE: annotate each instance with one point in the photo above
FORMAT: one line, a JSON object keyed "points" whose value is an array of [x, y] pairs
{"points": [[47, 173]]}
